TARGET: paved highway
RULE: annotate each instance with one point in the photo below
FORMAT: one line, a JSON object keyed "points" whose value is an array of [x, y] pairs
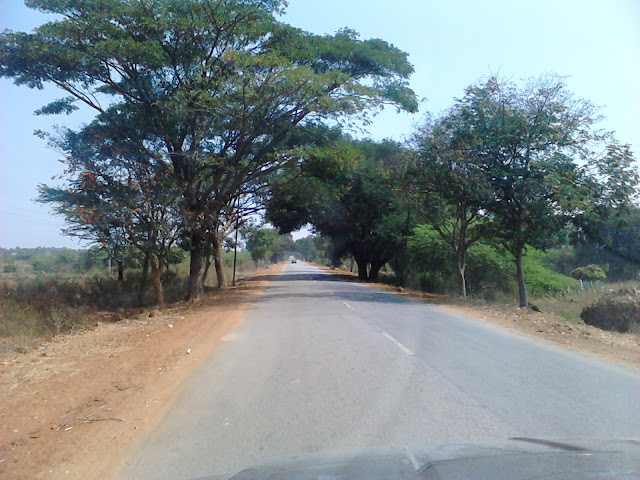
{"points": [[321, 364]]}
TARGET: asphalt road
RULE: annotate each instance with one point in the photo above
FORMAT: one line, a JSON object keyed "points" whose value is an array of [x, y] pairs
{"points": [[321, 364]]}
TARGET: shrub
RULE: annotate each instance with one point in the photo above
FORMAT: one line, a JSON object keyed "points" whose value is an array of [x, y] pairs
{"points": [[11, 268], [488, 269], [431, 262], [618, 311], [542, 281], [589, 273]]}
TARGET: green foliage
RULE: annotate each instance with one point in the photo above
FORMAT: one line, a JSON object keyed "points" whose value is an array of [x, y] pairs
{"points": [[589, 273], [307, 249], [208, 96], [543, 281], [450, 188], [265, 244], [527, 141], [430, 261], [348, 192], [202, 103], [618, 311], [490, 271], [566, 259], [433, 266], [243, 258], [489, 268], [10, 268]]}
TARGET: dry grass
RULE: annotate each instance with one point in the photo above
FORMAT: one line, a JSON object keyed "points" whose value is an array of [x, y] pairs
{"points": [[571, 305]]}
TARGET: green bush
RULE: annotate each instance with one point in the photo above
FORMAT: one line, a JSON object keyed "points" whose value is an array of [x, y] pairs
{"points": [[589, 273], [488, 269], [566, 259], [618, 311], [431, 265], [543, 281], [10, 268]]}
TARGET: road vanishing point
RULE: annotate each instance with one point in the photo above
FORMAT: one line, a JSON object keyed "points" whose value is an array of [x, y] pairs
{"points": [[322, 364]]}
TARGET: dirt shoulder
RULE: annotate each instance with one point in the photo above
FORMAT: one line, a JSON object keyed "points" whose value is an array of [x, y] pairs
{"points": [[621, 348], [71, 407]]}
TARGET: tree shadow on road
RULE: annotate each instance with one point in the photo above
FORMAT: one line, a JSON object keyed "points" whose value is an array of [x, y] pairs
{"points": [[292, 277], [348, 294]]}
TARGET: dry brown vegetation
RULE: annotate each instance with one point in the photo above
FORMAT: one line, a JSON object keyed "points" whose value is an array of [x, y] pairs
{"points": [[72, 404]]}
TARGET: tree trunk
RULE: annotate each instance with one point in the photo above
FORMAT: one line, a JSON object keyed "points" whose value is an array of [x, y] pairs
{"points": [[376, 265], [217, 259], [362, 268], [120, 263], [156, 278], [404, 256], [143, 279], [522, 286], [461, 268], [205, 274], [195, 265]]}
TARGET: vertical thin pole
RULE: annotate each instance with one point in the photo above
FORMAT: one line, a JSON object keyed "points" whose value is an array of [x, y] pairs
{"points": [[235, 245]]}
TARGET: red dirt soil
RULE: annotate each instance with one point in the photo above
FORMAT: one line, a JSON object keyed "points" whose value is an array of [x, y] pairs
{"points": [[72, 406]]}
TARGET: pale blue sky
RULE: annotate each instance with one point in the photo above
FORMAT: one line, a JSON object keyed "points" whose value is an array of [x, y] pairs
{"points": [[450, 43]]}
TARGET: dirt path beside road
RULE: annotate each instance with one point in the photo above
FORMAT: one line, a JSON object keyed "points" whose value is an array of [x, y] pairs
{"points": [[71, 407]]}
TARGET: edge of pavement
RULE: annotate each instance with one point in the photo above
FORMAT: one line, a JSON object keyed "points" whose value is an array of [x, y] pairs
{"points": [[618, 348]]}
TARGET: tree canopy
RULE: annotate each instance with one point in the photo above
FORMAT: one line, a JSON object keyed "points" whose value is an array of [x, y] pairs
{"points": [[216, 86], [346, 191], [529, 142], [208, 111]]}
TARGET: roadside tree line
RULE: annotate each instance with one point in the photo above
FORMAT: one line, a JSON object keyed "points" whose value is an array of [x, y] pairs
{"points": [[208, 112], [508, 168], [197, 103]]}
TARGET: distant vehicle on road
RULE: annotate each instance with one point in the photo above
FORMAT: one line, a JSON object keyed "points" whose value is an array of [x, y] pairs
{"points": [[294, 260]]}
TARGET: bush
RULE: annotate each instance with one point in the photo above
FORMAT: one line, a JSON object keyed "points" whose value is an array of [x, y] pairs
{"points": [[431, 265], [488, 271], [543, 281], [589, 273], [618, 311], [11, 268]]}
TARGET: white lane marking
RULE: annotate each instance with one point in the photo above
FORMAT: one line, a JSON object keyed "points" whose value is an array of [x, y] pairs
{"points": [[398, 344], [412, 459], [348, 306]]}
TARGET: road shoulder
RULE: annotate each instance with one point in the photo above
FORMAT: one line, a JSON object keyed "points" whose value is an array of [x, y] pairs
{"points": [[619, 348], [72, 407]]}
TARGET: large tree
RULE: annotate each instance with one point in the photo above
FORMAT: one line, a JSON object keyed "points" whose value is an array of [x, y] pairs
{"points": [[346, 190], [220, 84], [531, 141], [450, 188], [117, 196]]}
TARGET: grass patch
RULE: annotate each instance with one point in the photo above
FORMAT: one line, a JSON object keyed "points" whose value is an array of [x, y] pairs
{"points": [[543, 281]]}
